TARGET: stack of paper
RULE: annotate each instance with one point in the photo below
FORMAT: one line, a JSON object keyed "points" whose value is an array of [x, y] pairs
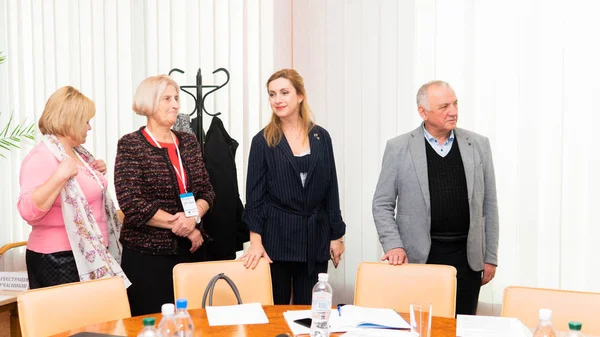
{"points": [[349, 318], [361, 332], [251, 313], [489, 326]]}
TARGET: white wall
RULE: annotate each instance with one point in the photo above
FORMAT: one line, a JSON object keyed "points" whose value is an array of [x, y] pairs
{"points": [[525, 75]]}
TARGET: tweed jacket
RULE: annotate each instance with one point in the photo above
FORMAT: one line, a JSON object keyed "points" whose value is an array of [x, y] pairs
{"points": [[145, 182]]}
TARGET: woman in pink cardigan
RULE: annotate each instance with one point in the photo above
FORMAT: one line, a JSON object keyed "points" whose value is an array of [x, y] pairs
{"points": [[63, 197]]}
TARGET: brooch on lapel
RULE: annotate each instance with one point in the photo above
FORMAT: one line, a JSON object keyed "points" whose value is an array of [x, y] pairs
{"points": [[316, 135]]}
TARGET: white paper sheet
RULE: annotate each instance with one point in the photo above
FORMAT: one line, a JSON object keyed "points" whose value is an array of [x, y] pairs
{"points": [[291, 315], [359, 332], [490, 326], [251, 313], [353, 317]]}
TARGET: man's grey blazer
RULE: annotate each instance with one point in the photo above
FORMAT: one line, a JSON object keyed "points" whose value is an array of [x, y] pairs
{"points": [[403, 185]]}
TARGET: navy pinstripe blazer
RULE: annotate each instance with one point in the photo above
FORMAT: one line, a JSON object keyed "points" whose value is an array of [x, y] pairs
{"points": [[296, 223]]}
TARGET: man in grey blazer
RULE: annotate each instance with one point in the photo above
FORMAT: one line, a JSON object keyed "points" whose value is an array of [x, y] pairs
{"points": [[440, 180]]}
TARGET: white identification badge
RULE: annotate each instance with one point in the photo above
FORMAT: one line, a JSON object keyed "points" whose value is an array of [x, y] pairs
{"points": [[189, 204]]}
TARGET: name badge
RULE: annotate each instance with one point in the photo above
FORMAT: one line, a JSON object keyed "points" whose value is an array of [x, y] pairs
{"points": [[189, 204]]}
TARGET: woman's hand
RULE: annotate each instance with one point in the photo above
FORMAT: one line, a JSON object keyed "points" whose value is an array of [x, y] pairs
{"points": [[44, 195], [197, 240], [336, 249], [99, 165], [254, 253], [67, 169], [182, 225]]}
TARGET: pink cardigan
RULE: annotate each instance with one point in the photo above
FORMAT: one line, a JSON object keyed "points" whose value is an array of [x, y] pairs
{"points": [[48, 234]]}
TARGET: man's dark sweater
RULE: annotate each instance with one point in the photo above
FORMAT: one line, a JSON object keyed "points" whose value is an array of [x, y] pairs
{"points": [[448, 195]]}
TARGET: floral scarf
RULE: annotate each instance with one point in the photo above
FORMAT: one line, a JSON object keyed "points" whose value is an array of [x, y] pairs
{"points": [[93, 259]]}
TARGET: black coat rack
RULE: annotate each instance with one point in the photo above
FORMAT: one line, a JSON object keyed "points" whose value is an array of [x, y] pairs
{"points": [[199, 99]]}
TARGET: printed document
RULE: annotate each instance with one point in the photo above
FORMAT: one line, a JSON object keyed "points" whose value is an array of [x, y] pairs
{"points": [[490, 326], [349, 318], [362, 332], [352, 316]]}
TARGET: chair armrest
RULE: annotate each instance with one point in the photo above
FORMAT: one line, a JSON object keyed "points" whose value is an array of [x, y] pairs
{"points": [[11, 245]]}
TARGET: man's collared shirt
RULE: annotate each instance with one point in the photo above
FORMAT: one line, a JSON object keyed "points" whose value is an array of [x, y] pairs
{"points": [[442, 149]]}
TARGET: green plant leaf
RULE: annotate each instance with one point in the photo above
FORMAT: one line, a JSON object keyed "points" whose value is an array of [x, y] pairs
{"points": [[12, 133]]}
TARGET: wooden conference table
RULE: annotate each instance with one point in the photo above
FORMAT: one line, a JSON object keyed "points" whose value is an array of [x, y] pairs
{"points": [[441, 327], [8, 302]]}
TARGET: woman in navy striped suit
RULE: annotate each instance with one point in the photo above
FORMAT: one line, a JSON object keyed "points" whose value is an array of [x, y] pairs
{"points": [[292, 199]]}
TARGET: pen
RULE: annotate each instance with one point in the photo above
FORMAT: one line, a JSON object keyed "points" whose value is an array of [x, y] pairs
{"points": [[339, 310]]}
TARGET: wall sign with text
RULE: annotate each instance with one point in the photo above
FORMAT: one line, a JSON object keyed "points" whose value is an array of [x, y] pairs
{"points": [[17, 281]]}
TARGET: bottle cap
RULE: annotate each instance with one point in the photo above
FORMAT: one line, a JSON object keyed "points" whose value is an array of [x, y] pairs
{"points": [[545, 314], [148, 321], [574, 325], [167, 309], [323, 277], [181, 303]]}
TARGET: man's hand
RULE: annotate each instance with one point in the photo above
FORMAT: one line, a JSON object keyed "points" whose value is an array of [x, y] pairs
{"points": [[489, 271], [395, 256]]}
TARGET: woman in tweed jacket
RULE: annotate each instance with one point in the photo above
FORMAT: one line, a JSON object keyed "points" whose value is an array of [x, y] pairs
{"points": [[154, 166]]}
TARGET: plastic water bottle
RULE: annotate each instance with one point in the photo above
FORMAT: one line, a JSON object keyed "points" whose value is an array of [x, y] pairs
{"points": [[321, 307], [149, 330], [185, 325], [167, 326], [544, 328], [575, 329]]}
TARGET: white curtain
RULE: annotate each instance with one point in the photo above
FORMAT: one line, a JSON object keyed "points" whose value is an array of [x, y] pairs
{"points": [[525, 73], [105, 48]]}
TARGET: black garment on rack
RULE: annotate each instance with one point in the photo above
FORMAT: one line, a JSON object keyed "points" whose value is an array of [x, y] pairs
{"points": [[223, 222]]}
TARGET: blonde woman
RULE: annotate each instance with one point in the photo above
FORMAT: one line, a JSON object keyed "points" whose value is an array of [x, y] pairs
{"points": [[63, 197], [293, 209], [157, 172]]}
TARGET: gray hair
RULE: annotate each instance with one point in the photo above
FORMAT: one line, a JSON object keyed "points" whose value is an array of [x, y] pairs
{"points": [[422, 93]]}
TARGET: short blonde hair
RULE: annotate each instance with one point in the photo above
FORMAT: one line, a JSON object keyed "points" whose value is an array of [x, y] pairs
{"points": [[66, 114], [147, 95]]}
